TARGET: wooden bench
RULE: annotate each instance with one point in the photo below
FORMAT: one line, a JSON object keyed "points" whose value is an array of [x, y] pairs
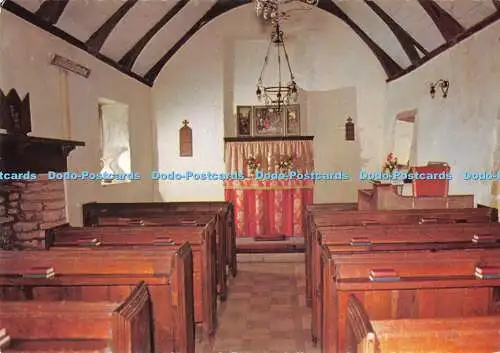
{"points": [[478, 334], [371, 218], [94, 211], [111, 275], [406, 233], [202, 241], [431, 284], [382, 237], [79, 326], [181, 220]]}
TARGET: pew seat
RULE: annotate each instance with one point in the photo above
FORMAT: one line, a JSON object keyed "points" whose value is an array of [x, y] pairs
{"points": [[430, 284], [202, 242], [94, 212], [70, 326], [478, 334], [96, 276]]}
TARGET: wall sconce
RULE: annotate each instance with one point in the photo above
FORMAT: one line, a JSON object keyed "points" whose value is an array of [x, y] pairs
{"points": [[443, 85], [349, 130]]}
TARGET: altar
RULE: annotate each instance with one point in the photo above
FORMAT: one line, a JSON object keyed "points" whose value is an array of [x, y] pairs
{"points": [[265, 207]]}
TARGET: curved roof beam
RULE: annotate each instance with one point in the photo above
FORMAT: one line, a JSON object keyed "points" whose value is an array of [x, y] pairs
{"points": [[408, 43], [51, 10], [129, 59], [97, 39], [220, 7], [497, 4], [391, 68], [446, 23]]}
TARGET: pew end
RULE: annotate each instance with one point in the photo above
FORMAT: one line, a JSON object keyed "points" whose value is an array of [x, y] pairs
{"points": [[478, 334]]}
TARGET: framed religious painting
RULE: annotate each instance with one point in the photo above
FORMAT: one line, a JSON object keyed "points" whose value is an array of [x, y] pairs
{"points": [[268, 121], [244, 120], [292, 120]]}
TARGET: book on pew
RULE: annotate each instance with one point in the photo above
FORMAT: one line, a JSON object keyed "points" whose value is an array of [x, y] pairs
{"points": [[189, 222], [427, 220], [484, 238], [39, 272], [163, 241], [367, 223], [88, 242], [384, 275], [487, 272], [4, 340], [360, 241]]}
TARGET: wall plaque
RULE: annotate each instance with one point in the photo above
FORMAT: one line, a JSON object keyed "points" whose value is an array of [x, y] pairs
{"points": [[186, 140]]}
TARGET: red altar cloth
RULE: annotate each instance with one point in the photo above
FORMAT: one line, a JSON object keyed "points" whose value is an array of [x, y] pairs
{"points": [[269, 207]]}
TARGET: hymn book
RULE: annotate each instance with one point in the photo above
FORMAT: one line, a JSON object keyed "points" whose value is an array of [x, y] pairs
{"points": [[487, 272], [39, 272], [481, 238], [360, 241], [383, 275], [89, 242], [4, 339]]}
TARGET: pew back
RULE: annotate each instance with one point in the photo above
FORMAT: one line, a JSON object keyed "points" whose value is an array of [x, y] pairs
{"points": [[202, 240], [429, 285], [457, 335], [124, 327], [111, 276]]}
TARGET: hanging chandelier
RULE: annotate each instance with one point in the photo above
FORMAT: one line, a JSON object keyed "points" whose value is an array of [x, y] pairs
{"points": [[268, 9], [282, 94]]}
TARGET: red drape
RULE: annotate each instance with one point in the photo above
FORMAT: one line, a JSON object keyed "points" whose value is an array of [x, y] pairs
{"points": [[270, 207]]}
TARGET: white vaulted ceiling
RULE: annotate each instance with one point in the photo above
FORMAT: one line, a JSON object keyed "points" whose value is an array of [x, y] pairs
{"points": [[138, 37]]}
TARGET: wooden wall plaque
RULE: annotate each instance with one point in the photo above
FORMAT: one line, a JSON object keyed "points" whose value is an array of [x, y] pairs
{"points": [[186, 140]]}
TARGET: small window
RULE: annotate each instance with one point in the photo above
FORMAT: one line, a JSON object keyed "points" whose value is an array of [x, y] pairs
{"points": [[115, 145]]}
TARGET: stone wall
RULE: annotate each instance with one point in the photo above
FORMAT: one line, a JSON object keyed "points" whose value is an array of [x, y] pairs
{"points": [[28, 208]]}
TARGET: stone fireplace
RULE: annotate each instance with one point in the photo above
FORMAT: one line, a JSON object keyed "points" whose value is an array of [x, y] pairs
{"points": [[29, 207], [30, 203]]}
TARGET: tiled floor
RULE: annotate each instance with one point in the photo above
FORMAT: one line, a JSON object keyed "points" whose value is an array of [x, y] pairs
{"points": [[265, 311]]}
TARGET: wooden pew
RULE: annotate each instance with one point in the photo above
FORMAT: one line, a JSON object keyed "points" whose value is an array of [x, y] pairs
{"points": [[202, 241], [406, 235], [322, 216], [81, 274], [181, 220], [79, 326], [478, 334], [431, 284], [94, 211]]}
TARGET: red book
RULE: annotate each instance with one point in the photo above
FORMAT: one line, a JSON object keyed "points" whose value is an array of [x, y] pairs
{"points": [[165, 241], [89, 241], [477, 238], [488, 270], [367, 223], [383, 272]]}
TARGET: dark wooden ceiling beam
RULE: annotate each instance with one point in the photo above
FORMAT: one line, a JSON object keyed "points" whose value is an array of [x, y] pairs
{"points": [[462, 36], [30, 17], [51, 10], [408, 43], [446, 23], [497, 4], [128, 60], [98, 38], [391, 68], [220, 7]]}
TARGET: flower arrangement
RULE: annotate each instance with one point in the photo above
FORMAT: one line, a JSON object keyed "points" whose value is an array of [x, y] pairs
{"points": [[391, 163], [286, 163], [253, 164]]}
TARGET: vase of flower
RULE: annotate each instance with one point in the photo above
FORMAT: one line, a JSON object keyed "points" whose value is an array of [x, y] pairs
{"points": [[253, 165], [286, 164]]}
